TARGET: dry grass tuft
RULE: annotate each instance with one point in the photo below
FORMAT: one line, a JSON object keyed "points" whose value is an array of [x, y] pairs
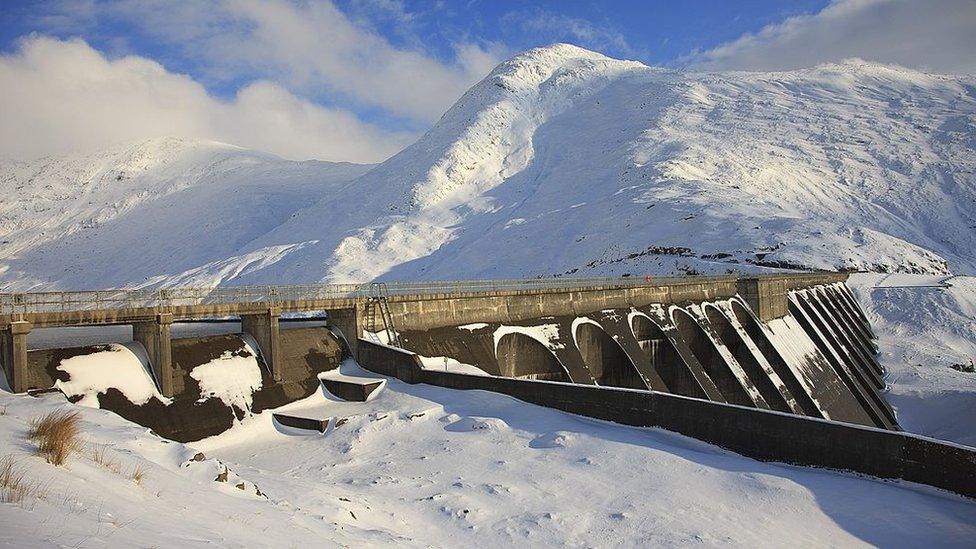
{"points": [[15, 487], [138, 474], [56, 435], [101, 457]]}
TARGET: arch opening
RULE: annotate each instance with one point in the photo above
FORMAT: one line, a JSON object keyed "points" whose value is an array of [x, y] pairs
{"points": [[775, 359], [522, 357], [736, 345], [711, 360], [665, 360], [606, 360]]}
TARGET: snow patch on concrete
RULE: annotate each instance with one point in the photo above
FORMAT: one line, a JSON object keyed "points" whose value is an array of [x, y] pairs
{"points": [[230, 377]]}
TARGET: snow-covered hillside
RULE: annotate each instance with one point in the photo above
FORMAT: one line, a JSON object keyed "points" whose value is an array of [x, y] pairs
{"points": [[561, 162], [142, 214], [926, 327]]}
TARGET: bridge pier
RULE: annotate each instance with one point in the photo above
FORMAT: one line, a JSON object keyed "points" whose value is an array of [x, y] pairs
{"points": [[155, 337], [264, 328], [13, 354], [352, 324]]}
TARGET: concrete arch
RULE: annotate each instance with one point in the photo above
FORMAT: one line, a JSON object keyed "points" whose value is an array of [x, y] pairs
{"points": [[664, 357], [521, 356], [776, 360], [736, 345], [711, 359], [604, 357]]}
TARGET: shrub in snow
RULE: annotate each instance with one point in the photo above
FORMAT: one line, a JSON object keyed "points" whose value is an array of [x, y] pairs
{"points": [[56, 435]]}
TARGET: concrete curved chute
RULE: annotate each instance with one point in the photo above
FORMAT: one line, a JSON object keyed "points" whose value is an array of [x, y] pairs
{"points": [[521, 356], [605, 358], [664, 358], [711, 359], [740, 350]]}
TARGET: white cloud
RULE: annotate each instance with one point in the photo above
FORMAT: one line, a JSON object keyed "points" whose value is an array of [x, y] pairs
{"points": [[934, 35], [556, 27], [61, 96], [315, 49]]}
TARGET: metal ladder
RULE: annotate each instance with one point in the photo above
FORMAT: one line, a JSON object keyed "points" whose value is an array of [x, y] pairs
{"points": [[378, 308]]}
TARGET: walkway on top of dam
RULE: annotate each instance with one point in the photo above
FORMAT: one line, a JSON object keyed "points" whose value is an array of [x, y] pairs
{"points": [[123, 306]]}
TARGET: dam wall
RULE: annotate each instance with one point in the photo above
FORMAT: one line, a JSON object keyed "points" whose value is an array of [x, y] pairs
{"points": [[815, 359], [792, 343], [765, 435]]}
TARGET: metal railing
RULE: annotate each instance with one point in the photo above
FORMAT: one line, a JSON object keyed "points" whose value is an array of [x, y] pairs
{"points": [[43, 302]]}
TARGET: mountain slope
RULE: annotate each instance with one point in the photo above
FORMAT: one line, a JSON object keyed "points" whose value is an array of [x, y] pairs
{"points": [[137, 215], [566, 162]]}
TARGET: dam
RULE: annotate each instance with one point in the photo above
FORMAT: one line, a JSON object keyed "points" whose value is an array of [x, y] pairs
{"points": [[793, 343], [779, 366]]}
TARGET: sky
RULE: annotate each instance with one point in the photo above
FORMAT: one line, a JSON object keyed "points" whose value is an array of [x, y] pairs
{"points": [[357, 80]]}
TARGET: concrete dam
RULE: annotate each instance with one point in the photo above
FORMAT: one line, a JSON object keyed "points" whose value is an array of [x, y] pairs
{"points": [[751, 358]]}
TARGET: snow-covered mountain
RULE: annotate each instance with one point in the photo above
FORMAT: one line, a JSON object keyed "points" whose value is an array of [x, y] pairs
{"points": [[560, 162], [142, 214]]}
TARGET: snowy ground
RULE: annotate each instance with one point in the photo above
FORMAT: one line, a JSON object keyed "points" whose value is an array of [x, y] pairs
{"points": [[424, 466], [926, 324]]}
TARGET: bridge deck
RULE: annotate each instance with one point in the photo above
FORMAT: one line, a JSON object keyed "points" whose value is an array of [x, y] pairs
{"points": [[126, 306]]}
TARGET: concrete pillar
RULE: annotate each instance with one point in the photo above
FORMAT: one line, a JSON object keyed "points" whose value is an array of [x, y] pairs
{"points": [[266, 332], [155, 337], [351, 322], [766, 297], [13, 353]]}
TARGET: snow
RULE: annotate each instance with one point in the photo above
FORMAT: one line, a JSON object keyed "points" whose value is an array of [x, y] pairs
{"points": [[231, 377], [424, 466], [162, 210], [850, 165], [473, 326], [925, 325], [122, 366], [449, 364], [546, 334]]}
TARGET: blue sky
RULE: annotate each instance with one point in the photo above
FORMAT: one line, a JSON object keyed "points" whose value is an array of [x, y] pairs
{"points": [[359, 79]]}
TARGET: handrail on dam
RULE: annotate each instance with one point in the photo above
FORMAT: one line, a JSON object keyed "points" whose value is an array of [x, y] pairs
{"points": [[122, 298]]}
